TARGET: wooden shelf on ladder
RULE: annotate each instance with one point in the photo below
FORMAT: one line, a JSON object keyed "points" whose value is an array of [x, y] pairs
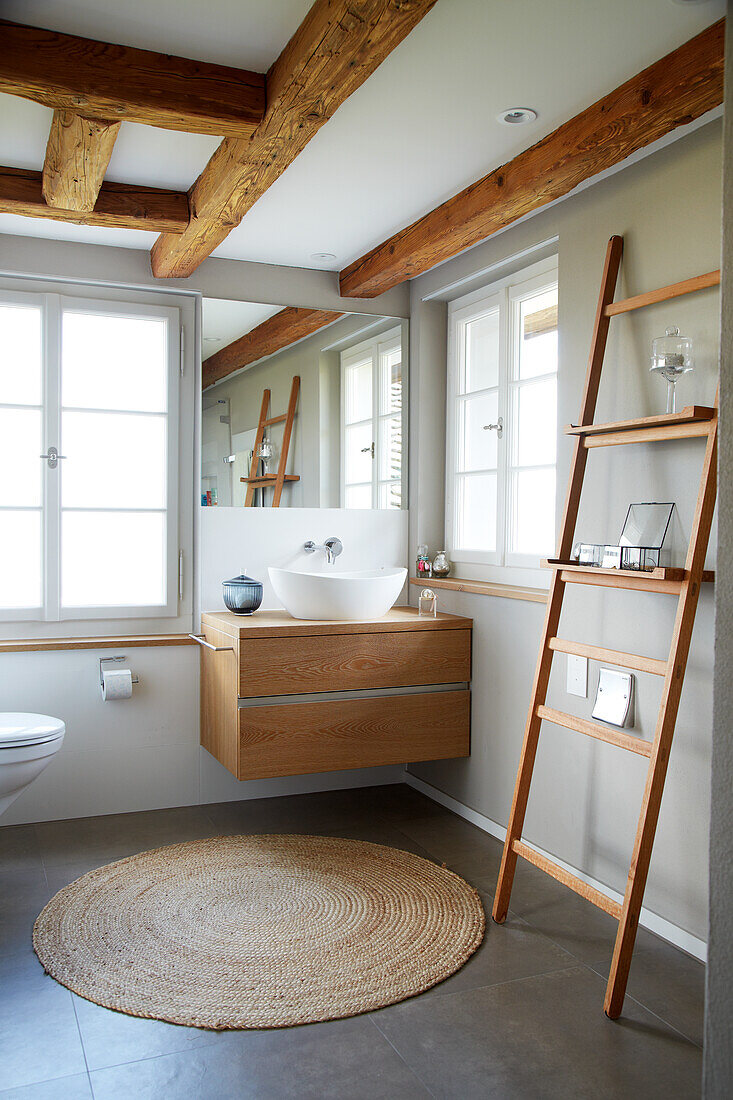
{"points": [[278, 480], [685, 584]]}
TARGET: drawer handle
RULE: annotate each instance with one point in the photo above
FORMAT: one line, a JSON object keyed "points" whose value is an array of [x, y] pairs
{"points": [[216, 648]]}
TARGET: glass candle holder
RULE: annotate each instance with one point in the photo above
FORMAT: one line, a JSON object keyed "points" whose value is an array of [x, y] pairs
{"points": [[671, 358]]}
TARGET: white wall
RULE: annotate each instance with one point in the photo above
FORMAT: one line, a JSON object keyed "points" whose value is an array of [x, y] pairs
{"points": [[586, 796], [233, 539], [718, 1053]]}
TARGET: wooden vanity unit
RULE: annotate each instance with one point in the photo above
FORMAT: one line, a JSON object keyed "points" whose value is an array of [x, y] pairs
{"points": [[283, 696]]}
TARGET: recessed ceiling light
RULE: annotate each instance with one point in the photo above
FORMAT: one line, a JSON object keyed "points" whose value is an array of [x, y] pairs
{"points": [[516, 116], [323, 257]]}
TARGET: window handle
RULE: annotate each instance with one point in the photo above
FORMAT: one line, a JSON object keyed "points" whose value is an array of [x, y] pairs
{"points": [[53, 457], [368, 450], [498, 427]]}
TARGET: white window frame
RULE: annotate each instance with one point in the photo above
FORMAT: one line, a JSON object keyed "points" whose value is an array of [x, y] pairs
{"points": [[175, 613], [505, 295], [374, 348]]}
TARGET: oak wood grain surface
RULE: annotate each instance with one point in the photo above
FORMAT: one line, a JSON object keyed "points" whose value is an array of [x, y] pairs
{"points": [[346, 662], [354, 733], [280, 624], [77, 154], [125, 84], [119, 205]]}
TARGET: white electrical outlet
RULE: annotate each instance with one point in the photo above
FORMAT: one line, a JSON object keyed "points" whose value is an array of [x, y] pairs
{"points": [[577, 682]]}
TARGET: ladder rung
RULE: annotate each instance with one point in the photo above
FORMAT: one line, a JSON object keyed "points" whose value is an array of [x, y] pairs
{"points": [[269, 479], [275, 420], [588, 892], [594, 729], [613, 656]]}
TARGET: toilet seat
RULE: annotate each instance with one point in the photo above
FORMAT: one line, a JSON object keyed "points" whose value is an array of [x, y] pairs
{"points": [[19, 728]]}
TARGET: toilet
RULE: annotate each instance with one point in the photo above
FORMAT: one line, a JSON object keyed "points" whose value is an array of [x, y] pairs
{"points": [[27, 744]]}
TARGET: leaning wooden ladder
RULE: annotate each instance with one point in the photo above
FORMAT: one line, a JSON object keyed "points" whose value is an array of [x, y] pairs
{"points": [[684, 583], [277, 480]]}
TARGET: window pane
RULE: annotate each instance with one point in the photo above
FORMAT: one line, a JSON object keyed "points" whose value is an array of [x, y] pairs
{"points": [[358, 396], [21, 578], [113, 460], [114, 362], [481, 348], [20, 355], [390, 494], [477, 448], [358, 456], [358, 496], [536, 429], [533, 511], [538, 334], [390, 460], [113, 559], [390, 381], [20, 465], [476, 512]]}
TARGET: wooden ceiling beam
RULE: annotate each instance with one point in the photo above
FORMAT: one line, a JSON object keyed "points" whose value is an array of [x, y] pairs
{"points": [[118, 206], [77, 154], [672, 92], [104, 81], [337, 47], [277, 332]]}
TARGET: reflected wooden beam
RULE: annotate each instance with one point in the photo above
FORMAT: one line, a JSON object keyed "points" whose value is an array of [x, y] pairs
{"points": [[337, 47], [277, 332], [672, 92], [119, 205], [77, 154], [105, 81]]}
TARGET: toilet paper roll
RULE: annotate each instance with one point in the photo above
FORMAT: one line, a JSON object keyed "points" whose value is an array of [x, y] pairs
{"points": [[116, 684]]}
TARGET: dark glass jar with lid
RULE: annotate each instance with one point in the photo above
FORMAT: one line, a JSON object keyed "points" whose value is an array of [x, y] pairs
{"points": [[242, 594]]}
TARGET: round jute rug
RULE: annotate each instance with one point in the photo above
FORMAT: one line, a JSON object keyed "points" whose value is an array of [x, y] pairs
{"points": [[259, 931]]}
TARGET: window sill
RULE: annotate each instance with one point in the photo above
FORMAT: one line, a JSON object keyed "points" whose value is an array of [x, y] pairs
{"points": [[32, 645], [485, 588]]}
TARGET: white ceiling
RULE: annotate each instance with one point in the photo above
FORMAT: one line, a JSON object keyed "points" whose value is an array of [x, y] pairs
{"points": [[419, 130]]}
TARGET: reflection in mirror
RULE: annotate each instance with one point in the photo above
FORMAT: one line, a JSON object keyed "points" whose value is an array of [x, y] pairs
{"points": [[302, 408]]}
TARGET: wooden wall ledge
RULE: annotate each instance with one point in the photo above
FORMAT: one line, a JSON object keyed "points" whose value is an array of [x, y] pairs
{"points": [[485, 588], [131, 641]]}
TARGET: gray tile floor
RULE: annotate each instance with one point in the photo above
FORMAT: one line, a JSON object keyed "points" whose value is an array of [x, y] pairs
{"points": [[522, 1019]]}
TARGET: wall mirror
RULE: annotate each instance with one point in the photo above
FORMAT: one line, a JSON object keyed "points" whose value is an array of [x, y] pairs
{"points": [[302, 408]]}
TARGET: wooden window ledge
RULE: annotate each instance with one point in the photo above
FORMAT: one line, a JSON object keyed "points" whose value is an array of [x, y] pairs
{"points": [[130, 641], [485, 588]]}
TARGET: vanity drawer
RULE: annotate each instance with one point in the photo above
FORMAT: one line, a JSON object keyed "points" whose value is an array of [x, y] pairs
{"points": [[353, 662], [297, 738]]}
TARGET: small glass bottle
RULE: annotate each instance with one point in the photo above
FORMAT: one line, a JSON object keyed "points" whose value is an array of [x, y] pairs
{"points": [[427, 604], [441, 565], [424, 567]]}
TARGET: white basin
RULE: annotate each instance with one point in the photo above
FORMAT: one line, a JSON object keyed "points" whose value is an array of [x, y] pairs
{"points": [[359, 594]]}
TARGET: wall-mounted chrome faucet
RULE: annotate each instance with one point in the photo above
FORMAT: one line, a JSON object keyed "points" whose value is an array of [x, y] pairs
{"points": [[332, 547]]}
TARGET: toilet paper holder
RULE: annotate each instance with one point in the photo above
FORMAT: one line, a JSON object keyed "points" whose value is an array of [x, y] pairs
{"points": [[135, 679]]}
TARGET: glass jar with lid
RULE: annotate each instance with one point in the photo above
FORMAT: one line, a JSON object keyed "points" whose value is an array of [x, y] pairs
{"points": [[671, 357]]}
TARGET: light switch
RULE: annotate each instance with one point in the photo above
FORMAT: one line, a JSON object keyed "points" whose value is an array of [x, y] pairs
{"points": [[577, 683], [615, 697]]}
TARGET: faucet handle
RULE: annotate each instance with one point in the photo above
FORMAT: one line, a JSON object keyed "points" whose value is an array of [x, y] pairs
{"points": [[334, 547]]}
